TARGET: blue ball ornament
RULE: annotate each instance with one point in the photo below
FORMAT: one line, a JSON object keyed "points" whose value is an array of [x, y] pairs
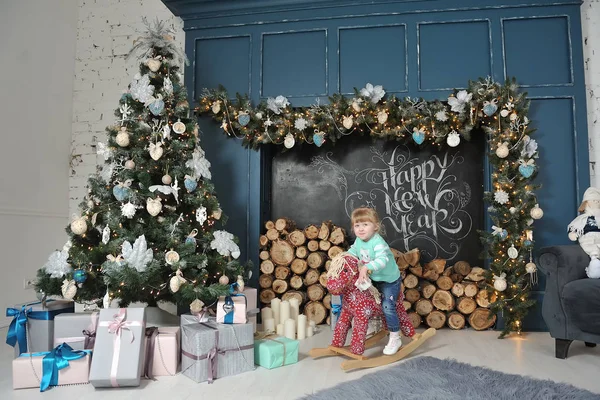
{"points": [[79, 275]]}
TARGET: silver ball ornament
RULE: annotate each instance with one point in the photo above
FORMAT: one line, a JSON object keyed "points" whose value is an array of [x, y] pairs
{"points": [[502, 151], [166, 179], [536, 212], [122, 138], [129, 164], [79, 226], [224, 280]]}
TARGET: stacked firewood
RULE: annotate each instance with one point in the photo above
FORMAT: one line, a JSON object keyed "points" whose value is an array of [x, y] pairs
{"points": [[439, 295], [294, 263]]}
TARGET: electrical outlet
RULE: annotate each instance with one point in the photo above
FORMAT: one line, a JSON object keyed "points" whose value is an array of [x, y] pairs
{"points": [[28, 283]]}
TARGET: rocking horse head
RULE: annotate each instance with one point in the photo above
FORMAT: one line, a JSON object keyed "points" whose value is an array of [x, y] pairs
{"points": [[342, 273]]}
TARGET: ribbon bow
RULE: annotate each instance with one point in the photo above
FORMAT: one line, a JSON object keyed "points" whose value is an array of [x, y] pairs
{"points": [[127, 183], [151, 334], [56, 360], [497, 231], [502, 276], [336, 309], [118, 324], [531, 162], [18, 327]]}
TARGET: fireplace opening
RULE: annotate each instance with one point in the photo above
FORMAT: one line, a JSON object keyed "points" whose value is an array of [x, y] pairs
{"points": [[427, 198]]}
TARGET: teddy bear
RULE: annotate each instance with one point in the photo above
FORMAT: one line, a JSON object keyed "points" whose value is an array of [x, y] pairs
{"points": [[585, 229]]}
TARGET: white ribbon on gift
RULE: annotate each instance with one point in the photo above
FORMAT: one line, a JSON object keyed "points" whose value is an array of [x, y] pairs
{"points": [[116, 327]]}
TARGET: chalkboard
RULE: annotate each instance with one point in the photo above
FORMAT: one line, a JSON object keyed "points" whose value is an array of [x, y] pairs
{"points": [[428, 198]]}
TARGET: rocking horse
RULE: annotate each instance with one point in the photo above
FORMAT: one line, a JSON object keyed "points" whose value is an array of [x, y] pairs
{"points": [[361, 306]]}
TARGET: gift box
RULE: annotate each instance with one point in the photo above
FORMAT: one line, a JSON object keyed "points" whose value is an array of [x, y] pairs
{"points": [[252, 305], [336, 309], [162, 351], [275, 351], [187, 319], [61, 366], [77, 330], [32, 327], [232, 309], [119, 348], [210, 350]]}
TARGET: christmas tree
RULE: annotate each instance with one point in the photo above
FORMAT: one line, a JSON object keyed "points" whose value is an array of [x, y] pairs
{"points": [[147, 229]]}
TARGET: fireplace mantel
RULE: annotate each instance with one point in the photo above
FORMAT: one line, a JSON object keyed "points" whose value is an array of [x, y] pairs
{"points": [[309, 49]]}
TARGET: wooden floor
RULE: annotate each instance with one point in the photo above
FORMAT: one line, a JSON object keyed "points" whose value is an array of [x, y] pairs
{"points": [[532, 354]]}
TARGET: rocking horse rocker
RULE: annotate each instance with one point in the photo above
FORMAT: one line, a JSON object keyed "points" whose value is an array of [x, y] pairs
{"points": [[362, 306]]}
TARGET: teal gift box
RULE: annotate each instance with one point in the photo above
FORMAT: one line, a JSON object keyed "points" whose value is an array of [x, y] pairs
{"points": [[275, 351]]}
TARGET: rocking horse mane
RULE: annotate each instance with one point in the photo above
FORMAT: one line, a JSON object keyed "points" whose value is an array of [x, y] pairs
{"points": [[339, 263]]}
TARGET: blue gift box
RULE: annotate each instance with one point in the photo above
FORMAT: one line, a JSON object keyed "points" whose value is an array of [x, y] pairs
{"points": [[32, 327]]}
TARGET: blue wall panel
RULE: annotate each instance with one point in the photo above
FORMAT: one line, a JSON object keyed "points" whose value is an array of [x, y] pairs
{"points": [[538, 50], [445, 62], [307, 48], [222, 59], [369, 52], [294, 64]]}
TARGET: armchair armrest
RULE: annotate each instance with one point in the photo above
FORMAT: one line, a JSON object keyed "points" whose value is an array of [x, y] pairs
{"points": [[563, 264]]}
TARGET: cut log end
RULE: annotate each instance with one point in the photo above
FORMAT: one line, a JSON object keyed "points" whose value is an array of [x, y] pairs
{"points": [[282, 252], [480, 319], [266, 295], [280, 286], [436, 319], [315, 311], [456, 321]]}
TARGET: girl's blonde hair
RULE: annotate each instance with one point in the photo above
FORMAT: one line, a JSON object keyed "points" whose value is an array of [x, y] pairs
{"points": [[365, 214]]}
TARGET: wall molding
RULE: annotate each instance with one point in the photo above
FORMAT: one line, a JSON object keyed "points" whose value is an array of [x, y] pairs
{"points": [[207, 9], [24, 212]]}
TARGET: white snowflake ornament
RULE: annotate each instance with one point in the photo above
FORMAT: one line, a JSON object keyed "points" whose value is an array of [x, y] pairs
{"points": [[128, 210], [301, 124], [137, 256], [141, 89], [501, 197], [57, 265]]}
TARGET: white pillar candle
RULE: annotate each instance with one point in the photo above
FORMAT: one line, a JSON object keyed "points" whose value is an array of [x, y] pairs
{"points": [[284, 311], [275, 303], [309, 331], [290, 329], [280, 329], [269, 325], [266, 313], [294, 309], [301, 327]]}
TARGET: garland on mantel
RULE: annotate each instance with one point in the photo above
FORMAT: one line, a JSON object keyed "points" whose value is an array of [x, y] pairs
{"points": [[499, 111]]}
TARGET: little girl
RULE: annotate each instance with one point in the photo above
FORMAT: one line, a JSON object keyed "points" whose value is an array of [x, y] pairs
{"points": [[377, 259]]}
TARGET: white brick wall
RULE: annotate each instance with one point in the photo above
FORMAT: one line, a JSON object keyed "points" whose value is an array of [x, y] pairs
{"points": [[590, 21], [105, 33]]}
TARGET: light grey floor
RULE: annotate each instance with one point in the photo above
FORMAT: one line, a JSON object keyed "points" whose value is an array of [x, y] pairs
{"points": [[532, 354]]}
